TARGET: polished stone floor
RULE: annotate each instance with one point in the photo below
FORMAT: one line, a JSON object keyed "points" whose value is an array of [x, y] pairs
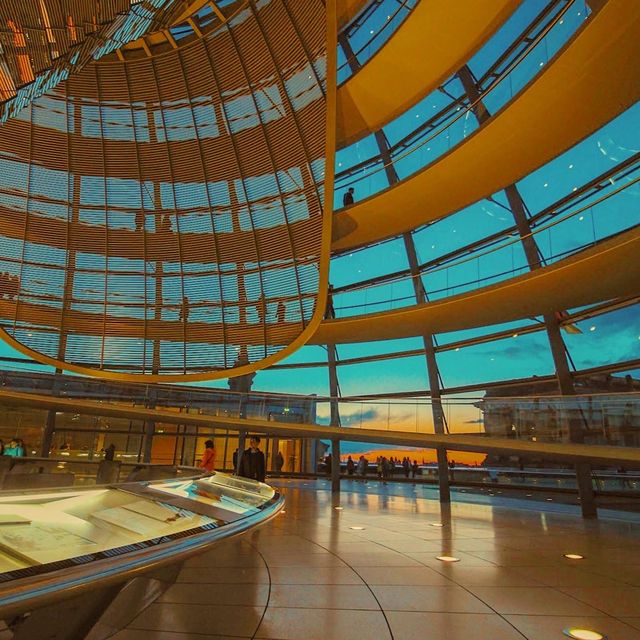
{"points": [[364, 565]]}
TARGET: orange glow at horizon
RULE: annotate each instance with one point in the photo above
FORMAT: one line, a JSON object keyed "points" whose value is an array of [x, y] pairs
{"points": [[426, 455]]}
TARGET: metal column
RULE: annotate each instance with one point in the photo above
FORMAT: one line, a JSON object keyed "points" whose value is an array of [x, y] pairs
{"points": [[534, 261], [335, 466]]}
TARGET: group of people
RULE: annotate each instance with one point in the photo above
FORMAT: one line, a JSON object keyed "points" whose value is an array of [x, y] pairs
{"points": [[385, 467], [250, 465], [165, 225], [9, 285], [278, 316], [15, 448], [362, 468]]}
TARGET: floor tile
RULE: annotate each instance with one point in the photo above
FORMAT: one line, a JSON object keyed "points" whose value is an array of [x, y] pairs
{"points": [[221, 594], [322, 624], [466, 559], [491, 576], [624, 601], [320, 575], [421, 598], [632, 622], [330, 596], [133, 634], [225, 575], [565, 577], [542, 601], [232, 559], [379, 560], [508, 558], [546, 627], [193, 618], [311, 560], [450, 626], [403, 576]]}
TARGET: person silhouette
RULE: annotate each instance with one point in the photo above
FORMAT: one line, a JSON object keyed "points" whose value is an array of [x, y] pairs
{"points": [[347, 198]]}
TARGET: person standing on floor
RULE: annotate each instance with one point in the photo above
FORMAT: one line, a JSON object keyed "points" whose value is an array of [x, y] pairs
{"points": [[208, 457], [252, 463], [351, 466], [347, 198], [139, 221], [361, 467], [328, 463]]}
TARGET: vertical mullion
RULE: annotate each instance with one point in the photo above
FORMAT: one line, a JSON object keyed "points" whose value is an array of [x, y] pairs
{"points": [[106, 217], [305, 151], [25, 229], [144, 224], [205, 176], [175, 209], [241, 180]]}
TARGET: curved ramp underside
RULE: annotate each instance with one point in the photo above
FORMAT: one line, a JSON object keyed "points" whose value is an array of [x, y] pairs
{"points": [[594, 79], [348, 11], [433, 42], [174, 244], [566, 284], [47, 40]]}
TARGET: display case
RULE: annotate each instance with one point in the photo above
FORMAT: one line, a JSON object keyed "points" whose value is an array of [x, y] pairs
{"points": [[93, 534]]}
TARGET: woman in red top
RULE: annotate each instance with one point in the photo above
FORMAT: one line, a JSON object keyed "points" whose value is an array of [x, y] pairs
{"points": [[209, 456]]}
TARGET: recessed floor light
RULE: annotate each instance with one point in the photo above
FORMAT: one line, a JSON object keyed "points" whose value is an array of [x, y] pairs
{"points": [[583, 634], [338, 508], [447, 559], [357, 528], [436, 524], [573, 556], [549, 499]]}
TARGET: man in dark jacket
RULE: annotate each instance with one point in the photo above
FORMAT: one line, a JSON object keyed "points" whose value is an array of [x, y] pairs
{"points": [[252, 463]]}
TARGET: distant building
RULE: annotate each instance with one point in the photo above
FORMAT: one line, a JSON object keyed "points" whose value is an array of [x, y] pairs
{"points": [[603, 411]]}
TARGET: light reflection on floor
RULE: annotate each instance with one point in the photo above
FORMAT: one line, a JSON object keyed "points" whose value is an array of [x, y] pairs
{"points": [[309, 574]]}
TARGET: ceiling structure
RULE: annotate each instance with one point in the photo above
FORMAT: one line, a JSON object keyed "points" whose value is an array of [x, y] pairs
{"points": [[184, 190], [182, 228]]}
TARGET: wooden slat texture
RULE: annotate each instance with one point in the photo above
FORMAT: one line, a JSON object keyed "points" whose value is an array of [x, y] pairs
{"points": [[215, 250]]}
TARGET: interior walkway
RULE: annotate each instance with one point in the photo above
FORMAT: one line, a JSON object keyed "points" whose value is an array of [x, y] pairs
{"points": [[594, 78], [369, 570], [407, 77]]}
